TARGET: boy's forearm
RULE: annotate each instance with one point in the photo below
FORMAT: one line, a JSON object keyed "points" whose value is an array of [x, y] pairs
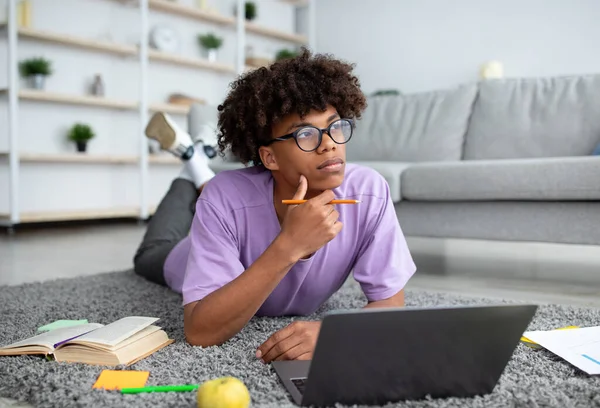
{"points": [[395, 301], [223, 313]]}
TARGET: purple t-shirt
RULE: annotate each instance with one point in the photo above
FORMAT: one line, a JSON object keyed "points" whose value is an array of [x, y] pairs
{"points": [[235, 222]]}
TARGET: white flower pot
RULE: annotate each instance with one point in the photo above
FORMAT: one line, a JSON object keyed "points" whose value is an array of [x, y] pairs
{"points": [[37, 81], [210, 54]]}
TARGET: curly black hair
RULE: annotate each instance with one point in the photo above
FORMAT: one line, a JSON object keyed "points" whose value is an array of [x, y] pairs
{"points": [[261, 97]]}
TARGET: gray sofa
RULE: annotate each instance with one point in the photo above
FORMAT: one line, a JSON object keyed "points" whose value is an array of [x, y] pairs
{"points": [[503, 159], [506, 159]]}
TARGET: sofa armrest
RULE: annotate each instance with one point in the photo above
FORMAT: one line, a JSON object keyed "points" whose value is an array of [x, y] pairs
{"points": [[391, 172]]}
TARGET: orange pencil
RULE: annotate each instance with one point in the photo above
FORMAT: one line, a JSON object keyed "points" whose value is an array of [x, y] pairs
{"points": [[331, 202]]}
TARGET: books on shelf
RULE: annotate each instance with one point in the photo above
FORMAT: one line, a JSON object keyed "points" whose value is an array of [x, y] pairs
{"points": [[122, 342]]}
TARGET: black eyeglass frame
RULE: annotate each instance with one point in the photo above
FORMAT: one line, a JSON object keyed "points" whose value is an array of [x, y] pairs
{"points": [[321, 131]]}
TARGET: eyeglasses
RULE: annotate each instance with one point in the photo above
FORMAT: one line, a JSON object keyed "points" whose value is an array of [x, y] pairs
{"points": [[309, 138]]}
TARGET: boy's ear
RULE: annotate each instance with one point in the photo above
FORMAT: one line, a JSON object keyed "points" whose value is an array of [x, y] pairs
{"points": [[267, 157]]}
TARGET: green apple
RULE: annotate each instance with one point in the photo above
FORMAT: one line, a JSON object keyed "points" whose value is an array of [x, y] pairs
{"points": [[224, 392]]}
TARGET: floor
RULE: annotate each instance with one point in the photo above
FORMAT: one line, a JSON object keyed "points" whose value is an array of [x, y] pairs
{"points": [[37, 254]]}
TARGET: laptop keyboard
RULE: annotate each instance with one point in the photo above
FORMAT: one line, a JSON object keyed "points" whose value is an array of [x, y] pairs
{"points": [[300, 384]]}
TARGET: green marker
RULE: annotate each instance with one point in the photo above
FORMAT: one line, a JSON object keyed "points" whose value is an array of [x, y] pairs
{"points": [[160, 388]]}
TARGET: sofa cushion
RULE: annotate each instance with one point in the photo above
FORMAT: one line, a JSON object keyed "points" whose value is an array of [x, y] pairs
{"points": [[391, 172], [547, 179], [427, 126], [542, 117]]}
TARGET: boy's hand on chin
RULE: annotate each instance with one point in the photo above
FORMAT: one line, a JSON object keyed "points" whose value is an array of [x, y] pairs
{"points": [[296, 341], [309, 226]]}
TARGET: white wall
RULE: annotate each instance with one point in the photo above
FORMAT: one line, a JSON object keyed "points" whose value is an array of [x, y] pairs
{"points": [[418, 45]]}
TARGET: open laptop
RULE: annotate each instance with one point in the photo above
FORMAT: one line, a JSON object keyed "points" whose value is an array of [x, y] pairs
{"points": [[376, 356]]}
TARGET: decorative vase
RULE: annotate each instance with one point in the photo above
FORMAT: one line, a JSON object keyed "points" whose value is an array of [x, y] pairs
{"points": [[37, 81], [98, 86], [211, 54], [491, 70], [24, 13], [81, 146]]}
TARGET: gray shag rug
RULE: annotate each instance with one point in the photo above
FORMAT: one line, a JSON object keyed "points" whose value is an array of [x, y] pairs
{"points": [[531, 379]]}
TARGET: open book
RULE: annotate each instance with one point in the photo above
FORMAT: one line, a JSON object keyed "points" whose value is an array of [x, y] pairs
{"points": [[125, 341]]}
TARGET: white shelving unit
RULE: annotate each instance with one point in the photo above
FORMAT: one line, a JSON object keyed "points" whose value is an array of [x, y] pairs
{"points": [[18, 160]]}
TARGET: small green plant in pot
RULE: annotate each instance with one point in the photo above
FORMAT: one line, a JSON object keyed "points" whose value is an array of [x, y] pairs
{"points": [[81, 134], [210, 43], [250, 10], [386, 92], [285, 53], [36, 70]]}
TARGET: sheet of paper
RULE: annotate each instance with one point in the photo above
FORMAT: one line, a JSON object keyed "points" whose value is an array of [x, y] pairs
{"points": [[579, 347], [49, 339], [116, 380], [59, 324], [116, 332], [534, 345]]}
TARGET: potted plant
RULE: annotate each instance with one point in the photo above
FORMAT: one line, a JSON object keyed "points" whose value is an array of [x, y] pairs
{"points": [[285, 53], [36, 70], [81, 134], [250, 10], [386, 92], [210, 43]]}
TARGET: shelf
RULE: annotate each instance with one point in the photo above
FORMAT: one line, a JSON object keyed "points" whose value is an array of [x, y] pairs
{"points": [[78, 215], [91, 158], [86, 158], [270, 32], [163, 159], [253, 62], [69, 40], [297, 3], [122, 49], [53, 36], [96, 101], [191, 62], [131, 50], [198, 14], [170, 108], [190, 12]]}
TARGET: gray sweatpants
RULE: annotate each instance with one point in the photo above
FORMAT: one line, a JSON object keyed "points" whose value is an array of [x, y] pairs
{"points": [[170, 224]]}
